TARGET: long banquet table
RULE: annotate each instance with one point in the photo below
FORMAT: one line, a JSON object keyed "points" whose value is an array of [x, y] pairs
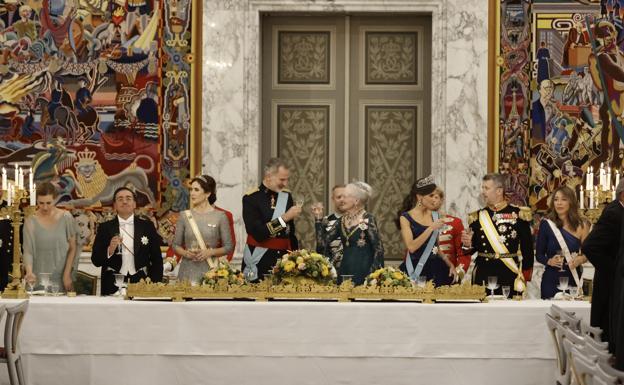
{"points": [[95, 340]]}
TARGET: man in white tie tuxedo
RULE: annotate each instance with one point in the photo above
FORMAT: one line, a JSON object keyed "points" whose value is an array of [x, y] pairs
{"points": [[127, 244]]}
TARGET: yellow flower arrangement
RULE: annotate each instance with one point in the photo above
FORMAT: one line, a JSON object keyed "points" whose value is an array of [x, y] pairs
{"points": [[303, 263], [389, 276], [224, 271]]}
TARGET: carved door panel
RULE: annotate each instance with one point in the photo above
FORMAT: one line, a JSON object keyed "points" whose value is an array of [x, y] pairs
{"points": [[368, 74]]}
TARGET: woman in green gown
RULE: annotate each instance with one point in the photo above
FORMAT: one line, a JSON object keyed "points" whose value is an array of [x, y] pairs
{"points": [[357, 230]]}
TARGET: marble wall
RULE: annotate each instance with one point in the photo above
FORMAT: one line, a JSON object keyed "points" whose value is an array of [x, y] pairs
{"points": [[231, 120]]}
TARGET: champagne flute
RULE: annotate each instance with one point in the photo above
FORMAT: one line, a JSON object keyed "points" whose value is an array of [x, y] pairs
{"points": [[120, 245], [559, 256]]}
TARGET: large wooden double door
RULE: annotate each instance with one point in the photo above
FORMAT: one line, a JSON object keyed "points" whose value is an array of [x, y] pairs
{"points": [[347, 97]]}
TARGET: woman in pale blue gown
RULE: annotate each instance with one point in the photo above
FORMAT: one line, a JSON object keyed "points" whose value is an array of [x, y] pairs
{"points": [[50, 241]]}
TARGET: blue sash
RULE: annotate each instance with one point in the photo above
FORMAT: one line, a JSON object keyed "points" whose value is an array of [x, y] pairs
{"points": [[252, 259], [415, 273]]}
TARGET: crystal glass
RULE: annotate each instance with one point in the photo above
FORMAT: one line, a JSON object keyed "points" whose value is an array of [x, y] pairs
{"points": [[563, 284], [559, 256], [44, 280], [506, 291], [194, 282], [120, 245], [346, 278], [119, 282], [31, 286], [492, 284], [249, 276], [421, 281], [299, 201], [55, 288], [194, 247]]}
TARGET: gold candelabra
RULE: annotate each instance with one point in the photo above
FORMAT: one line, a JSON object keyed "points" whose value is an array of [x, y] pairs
{"points": [[16, 211]]}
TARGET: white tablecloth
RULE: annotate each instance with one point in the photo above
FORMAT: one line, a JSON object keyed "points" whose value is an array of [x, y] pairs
{"points": [[92, 340]]}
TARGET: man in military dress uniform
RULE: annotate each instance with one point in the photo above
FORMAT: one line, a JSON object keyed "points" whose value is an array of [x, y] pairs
{"points": [[269, 213], [501, 236], [324, 224], [449, 240]]}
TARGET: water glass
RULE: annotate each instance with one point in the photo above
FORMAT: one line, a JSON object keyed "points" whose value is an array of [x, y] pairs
{"points": [[347, 278], [44, 280], [492, 284], [421, 281], [119, 282], [506, 291], [563, 284], [55, 288]]}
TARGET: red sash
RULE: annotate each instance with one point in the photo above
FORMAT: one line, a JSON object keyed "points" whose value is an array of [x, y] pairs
{"points": [[271, 243]]}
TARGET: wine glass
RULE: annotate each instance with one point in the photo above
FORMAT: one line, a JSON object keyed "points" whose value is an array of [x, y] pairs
{"points": [[563, 284], [506, 291], [119, 282], [421, 281], [299, 201], [249, 276], [55, 289], [31, 286], [44, 280], [492, 284], [194, 247]]}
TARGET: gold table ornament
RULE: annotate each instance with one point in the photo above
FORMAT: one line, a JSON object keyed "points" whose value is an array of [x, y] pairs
{"points": [[16, 214], [304, 289]]}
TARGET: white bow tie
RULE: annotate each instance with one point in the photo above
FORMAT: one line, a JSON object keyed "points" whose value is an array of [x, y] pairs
{"points": [[124, 223]]}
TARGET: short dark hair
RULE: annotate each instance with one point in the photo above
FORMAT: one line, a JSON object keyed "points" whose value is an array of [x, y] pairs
{"points": [[498, 179], [47, 188], [209, 185], [122, 188], [338, 186]]}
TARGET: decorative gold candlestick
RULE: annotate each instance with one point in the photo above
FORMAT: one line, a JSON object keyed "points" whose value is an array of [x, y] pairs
{"points": [[16, 214]]}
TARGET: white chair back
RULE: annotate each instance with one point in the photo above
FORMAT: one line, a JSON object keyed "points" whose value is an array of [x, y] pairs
{"points": [[15, 317]]}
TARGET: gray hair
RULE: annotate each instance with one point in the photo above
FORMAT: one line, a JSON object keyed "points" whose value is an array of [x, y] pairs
{"points": [[360, 190], [273, 165], [498, 179]]}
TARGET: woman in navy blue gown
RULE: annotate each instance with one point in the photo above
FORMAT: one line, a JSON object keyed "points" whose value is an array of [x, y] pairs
{"points": [[419, 222], [563, 212]]}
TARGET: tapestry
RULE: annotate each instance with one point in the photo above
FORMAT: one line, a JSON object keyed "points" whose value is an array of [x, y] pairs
{"points": [[574, 100], [96, 94]]}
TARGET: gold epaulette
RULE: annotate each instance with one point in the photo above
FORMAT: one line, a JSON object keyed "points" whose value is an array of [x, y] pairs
{"points": [[525, 213], [473, 217], [251, 191]]}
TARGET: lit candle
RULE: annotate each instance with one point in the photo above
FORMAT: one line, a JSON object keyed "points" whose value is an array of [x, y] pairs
{"points": [[608, 179], [33, 195], [4, 179], [21, 181], [581, 198], [30, 179], [591, 199], [10, 198], [591, 179], [613, 194], [601, 177]]}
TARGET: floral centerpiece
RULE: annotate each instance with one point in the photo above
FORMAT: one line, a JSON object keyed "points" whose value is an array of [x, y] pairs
{"points": [[302, 263], [389, 276], [225, 271]]}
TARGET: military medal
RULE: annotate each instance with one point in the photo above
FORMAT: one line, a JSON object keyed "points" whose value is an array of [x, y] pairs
{"points": [[272, 201]]}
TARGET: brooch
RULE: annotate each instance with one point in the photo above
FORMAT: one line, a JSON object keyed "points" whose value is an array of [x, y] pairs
{"points": [[144, 240]]}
